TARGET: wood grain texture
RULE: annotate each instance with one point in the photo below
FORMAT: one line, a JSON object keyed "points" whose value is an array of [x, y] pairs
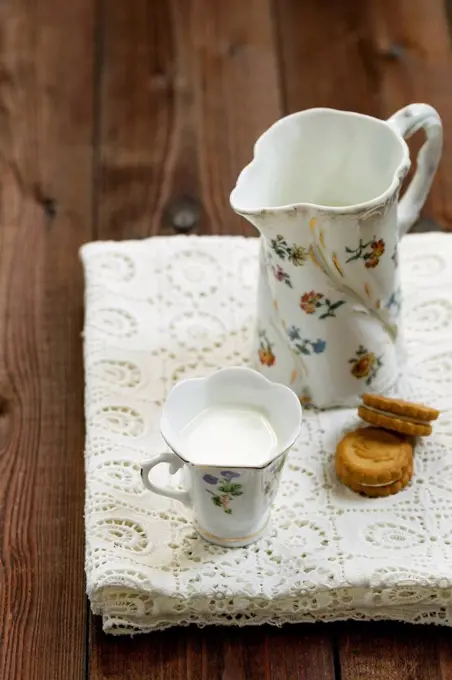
{"points": [[45, 214], [326, 55], [237, 94], [147, 141], [186, 88], [292, 653], [375, 57], [387, 651], [413, 56]]}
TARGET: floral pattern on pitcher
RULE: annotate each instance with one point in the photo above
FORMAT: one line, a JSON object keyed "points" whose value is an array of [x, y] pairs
{"points": [[304, 345], [395, 256], [226, 489], [265, 352], [365, 364], [294, 253], [281, 275], [394, 302], [370, 252], [306, 398], [312, 302]]}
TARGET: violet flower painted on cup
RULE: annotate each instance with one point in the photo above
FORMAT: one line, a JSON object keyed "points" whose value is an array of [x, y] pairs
{"points": [[225, 489]]}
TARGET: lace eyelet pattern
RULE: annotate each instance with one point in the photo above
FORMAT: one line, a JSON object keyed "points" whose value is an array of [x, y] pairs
{"points": [[165, 309]]}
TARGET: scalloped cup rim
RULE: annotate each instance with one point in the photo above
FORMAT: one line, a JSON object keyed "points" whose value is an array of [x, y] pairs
{"points": [[272, 131], [252, 376]]}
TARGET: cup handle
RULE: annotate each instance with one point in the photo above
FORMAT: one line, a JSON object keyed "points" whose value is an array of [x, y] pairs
{"points": [[175, 464], [406, 122]]}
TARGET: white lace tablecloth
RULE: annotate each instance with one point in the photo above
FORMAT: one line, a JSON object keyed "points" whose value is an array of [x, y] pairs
{"points": [[167, 308]]}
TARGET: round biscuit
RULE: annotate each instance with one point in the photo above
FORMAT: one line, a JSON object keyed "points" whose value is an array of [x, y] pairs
{"points": [[379, 491], [373, 456], [391, 422], [400, 407]]}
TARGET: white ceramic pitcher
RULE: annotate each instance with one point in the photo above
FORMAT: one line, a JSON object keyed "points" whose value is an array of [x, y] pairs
{"points": [[323, 191]]}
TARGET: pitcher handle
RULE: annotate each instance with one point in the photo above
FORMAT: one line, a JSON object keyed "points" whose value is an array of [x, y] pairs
{"points": [[175, 464], [406, 122]]}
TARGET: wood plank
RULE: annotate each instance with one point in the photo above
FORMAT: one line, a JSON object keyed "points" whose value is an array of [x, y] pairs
{"points": [[147, 146], [46, 78], [388, 651], [292, 653], [326, 56], [237, 97], [374, 57], [445, 653], [187, 88], [413, 56]]}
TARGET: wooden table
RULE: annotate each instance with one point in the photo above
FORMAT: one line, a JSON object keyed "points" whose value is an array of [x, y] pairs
{"points": [[123, 119]]}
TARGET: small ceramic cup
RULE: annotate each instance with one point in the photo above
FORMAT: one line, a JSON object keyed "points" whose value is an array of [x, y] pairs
{"points": [[231, 505]]}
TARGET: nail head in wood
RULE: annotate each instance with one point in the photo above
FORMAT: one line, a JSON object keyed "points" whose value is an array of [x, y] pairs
{"points": [[394, 51], [183, 214]]}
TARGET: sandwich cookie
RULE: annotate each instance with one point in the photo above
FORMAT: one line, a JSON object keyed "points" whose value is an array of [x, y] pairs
{"points": [[397, 415], [374, 462]]}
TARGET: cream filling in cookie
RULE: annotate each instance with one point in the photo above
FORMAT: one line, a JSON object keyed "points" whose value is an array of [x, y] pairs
{"points": [[377, 486], [388, 414]]}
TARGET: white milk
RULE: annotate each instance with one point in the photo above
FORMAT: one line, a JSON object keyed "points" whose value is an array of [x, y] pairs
{"points": [[229, 436]]}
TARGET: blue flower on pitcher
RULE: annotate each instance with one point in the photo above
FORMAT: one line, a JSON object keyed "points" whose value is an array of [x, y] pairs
{"points": [[293, 333], [394, 303], [303, 345]]}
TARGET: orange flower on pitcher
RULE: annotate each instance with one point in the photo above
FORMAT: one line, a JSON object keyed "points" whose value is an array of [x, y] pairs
{"points": [[378, 247], [377, 250], [310, 301], [265, 353], [365, 364], [370, 252], [266, 357]]}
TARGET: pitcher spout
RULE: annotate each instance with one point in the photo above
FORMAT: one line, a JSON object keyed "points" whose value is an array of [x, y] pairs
{"points": [[321, 159]]}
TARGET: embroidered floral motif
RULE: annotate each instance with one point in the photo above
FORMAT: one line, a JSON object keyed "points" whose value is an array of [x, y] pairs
{"points": [[294, 253], [312, 301], [281, 275], [266, 356], [225, 490], [365, 364], [303, 345], [370, 252]]}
